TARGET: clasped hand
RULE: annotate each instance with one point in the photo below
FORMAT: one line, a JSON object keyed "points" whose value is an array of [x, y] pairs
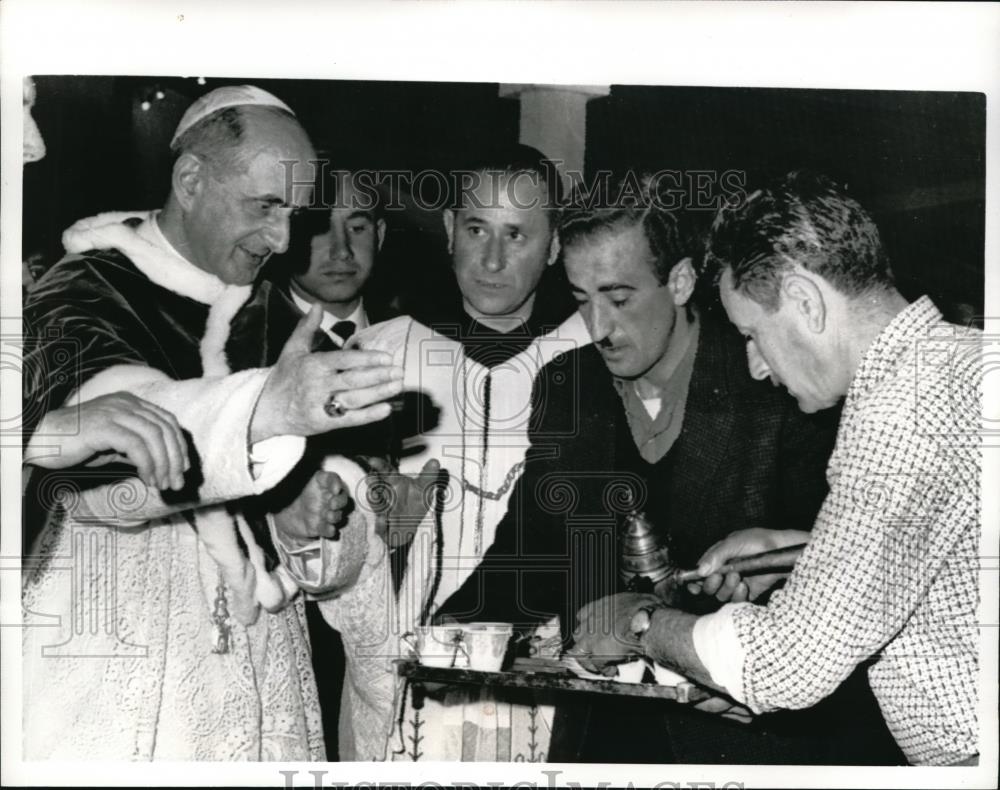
{"points": [[603, 637], [400, 501], [318, 511]]}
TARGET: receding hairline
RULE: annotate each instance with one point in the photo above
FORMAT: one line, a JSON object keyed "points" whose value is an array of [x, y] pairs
{"points": [[500, 177], [264, 121], [268, 113], [259, 126], [584, 229]]}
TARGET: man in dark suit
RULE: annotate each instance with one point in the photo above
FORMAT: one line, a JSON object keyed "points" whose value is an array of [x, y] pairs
{"points": [[679, 430]]}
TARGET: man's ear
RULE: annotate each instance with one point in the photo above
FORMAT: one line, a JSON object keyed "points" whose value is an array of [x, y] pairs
{"points": [[379, 233], [681, 281], [553, 249], [187, 179], [806, 299], [449, 228]]}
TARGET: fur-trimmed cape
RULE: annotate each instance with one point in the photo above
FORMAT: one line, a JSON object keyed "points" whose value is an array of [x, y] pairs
{"points": [[128, 579]]}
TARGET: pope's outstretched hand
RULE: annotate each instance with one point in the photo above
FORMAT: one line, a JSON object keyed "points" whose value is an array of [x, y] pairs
{"points": [[302, 386]]}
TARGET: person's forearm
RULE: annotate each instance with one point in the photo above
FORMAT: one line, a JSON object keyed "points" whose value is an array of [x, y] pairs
{"points": [[216, 413], [669, 641]]}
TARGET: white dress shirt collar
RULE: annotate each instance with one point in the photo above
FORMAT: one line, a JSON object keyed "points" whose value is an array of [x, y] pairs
{"points": [[326, 323]]}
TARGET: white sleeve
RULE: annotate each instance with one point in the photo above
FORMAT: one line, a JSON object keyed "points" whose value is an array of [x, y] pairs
{"points": [[719, 649], [217, 413]]}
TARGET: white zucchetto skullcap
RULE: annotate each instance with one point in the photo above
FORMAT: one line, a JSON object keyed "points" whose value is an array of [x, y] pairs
{"points": [[220, 98]]}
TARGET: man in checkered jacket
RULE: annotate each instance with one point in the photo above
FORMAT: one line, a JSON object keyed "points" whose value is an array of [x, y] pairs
{"points": [[889, 576]]}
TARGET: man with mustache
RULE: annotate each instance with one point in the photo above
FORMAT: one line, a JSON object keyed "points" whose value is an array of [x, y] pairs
{"points": [[888, 583], [181, 637], [659, 415]]}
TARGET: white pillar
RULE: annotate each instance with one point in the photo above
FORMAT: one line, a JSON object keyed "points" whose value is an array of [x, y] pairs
{"points": [[554, 120]]}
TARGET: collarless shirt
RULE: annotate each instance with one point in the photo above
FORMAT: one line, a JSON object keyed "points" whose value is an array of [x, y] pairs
{"points": [[655, 433]]}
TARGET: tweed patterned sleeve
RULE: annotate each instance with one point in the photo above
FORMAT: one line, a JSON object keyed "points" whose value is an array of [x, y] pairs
{"points": [[890, 568]]}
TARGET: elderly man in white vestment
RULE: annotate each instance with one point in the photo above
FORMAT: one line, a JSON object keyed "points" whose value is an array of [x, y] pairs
{"points": [[476, 366], [161, 621]]}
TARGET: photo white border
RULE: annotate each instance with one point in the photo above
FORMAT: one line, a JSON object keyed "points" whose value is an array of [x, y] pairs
{"points": [[901, 46]]}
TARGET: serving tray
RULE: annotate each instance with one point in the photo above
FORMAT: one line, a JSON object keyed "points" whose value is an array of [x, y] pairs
{"points": [[546, 674]]}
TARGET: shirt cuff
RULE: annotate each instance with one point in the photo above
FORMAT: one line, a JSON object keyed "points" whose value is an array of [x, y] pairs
{"points": [[301, 560], [290, 545], [719, 649], [271, 459]]}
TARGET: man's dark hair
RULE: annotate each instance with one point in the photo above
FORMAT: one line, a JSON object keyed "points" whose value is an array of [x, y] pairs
{"points": [[804, 219], [511, 160], [668, 233], [218, 137], [313, 221]]}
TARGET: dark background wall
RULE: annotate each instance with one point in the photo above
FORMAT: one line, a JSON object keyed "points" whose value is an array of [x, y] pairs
{"points": [[916, 160]]}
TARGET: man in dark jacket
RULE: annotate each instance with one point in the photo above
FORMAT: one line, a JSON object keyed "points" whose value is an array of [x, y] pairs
{"points": [[680, 431]]}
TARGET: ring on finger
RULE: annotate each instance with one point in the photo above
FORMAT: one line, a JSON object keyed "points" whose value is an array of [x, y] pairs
{"points": [[333, 406]]}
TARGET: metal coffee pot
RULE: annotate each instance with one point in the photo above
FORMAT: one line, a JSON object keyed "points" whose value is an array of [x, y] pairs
{"points": [[645, 566], [644, 558]]}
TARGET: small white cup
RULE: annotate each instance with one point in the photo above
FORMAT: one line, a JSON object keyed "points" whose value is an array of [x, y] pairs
{"points": [[438, 645], [487, 644], [631, 671]]}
